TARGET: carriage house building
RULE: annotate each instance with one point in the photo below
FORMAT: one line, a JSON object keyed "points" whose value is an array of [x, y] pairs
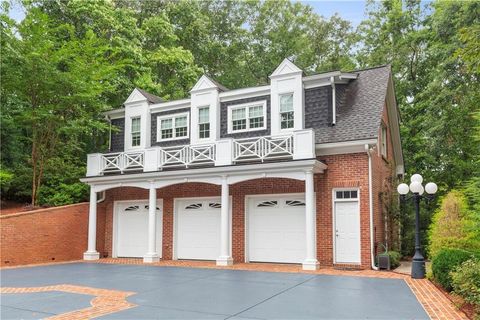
{"points": [[289, 172]]}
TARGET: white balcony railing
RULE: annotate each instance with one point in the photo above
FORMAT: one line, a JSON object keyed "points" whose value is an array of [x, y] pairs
{"points": [[122, 161], [299, 144], [185, 156], [263, 148]]}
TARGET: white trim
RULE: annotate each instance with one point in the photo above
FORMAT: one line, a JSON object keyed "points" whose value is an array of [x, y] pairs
{"points": [[244, 93], [175, 220], [334, 190], [170, 105], [247, 106], [355, 146], [159, 218], [286, 67], [208, 175], [247, 215], [172, 116], [115, 114]]}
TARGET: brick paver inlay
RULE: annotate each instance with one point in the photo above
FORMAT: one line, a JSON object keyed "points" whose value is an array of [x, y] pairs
{"points": [[105, 301]]}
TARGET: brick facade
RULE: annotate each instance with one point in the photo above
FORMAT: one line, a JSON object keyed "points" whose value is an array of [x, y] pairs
{"points": [[46, 235], [344, 171]]}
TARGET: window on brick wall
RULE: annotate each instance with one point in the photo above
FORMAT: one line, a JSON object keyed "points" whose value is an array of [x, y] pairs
{"points": [[383, 141]]}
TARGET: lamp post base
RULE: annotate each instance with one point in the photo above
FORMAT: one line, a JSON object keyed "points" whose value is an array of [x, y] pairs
{"points": [[418, 269]]}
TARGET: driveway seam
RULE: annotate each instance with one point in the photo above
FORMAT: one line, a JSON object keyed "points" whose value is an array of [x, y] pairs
{"points": [[30, 310], [271, 297]]}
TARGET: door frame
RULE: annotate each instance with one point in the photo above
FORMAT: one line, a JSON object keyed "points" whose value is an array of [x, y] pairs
{"points": [[334, 190], [117, 205], [247, 215], [175, 220]]}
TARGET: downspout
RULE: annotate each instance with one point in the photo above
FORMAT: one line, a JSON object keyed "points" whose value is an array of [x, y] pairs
{"points": [[334, 107], [109, 132], [102, 197], [370, 205]]}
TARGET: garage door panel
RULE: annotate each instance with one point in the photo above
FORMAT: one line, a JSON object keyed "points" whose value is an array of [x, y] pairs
{"points": [[198, 229], [132, 229], [276, 229]]}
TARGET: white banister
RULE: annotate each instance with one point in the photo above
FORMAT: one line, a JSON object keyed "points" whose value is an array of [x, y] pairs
{"points": [[300, 144]]}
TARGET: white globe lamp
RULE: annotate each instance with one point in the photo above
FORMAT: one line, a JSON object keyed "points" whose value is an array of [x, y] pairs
{"points": [[416, 187], [403, 189], [431, 188], [416, 178]]}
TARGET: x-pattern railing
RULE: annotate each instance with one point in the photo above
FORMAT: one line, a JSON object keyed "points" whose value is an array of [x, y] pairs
{"points": [[263, 148], [122, 161], [187, 155]]}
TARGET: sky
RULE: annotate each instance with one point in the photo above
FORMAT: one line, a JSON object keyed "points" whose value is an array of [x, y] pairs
{"points": [[348, 10]]}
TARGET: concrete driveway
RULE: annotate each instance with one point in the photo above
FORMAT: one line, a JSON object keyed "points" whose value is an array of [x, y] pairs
{"points": [[194, 293]]}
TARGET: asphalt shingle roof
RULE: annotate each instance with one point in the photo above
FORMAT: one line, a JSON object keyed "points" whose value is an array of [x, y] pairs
{"points": [[150, 97], [359, 115]]}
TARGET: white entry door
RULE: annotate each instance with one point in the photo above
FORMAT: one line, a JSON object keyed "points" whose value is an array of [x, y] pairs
{"points": [[198, 229], [276, 229], [347, 226], [132, 229]]}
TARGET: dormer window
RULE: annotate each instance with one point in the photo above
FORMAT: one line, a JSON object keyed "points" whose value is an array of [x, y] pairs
{"points": [[204, 122], [172, 127], [286, 111], [247, 117], [135, 131]]}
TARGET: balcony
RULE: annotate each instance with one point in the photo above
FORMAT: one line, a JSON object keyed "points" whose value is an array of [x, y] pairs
{"points": [[299, 144]]}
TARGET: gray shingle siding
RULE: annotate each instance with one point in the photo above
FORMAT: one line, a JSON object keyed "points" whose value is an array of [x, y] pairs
{"points": [[318, 107], [117, 138], [360, 113], [171, 143], [224, 119]]}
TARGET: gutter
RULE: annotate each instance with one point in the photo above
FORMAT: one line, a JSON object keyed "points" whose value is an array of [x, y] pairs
{"points": [[370, 205]]}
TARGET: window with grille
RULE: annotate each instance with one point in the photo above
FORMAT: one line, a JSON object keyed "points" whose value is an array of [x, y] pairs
{"points": [[204, 122], [135, 132], [286, 111], [247, 117], [173, 127], [346, 194]]}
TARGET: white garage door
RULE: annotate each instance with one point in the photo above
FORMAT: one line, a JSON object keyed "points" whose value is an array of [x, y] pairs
{"points": [[347, 227], [198, 229], [132, 229], [276, 229]]}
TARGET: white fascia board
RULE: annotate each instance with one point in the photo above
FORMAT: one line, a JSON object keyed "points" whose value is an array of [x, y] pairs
{"points": [[326, 75], [244, 93], [324, 79], [355, 146], [115, 114], [170, 105], [232, 170]]}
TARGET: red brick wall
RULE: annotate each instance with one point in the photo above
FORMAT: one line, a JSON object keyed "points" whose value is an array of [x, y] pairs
{"points": [[343, 171], [46, 235], [383, 186]]}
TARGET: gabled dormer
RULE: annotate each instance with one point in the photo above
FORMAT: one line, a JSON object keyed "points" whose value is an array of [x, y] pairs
{"points": [[137, 119], [287, 98], [205, 111]]}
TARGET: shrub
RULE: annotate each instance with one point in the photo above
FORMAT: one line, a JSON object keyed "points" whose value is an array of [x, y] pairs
{"points": [[394, 258], [466, 282], [454, 225], [446, 261]]}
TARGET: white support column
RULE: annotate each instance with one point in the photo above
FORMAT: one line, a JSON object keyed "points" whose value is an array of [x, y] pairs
{"points": [[91, 253], [311, 262], [152, 255], [225, 259]]}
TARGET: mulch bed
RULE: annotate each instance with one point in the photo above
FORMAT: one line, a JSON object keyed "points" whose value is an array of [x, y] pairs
{"points": [[465, 307]]}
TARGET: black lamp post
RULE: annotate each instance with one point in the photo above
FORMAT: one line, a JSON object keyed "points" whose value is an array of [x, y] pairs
{"points": [[418, 263]]}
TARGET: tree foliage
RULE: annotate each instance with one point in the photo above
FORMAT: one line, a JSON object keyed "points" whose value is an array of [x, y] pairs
{"points": [[68, 61]]}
